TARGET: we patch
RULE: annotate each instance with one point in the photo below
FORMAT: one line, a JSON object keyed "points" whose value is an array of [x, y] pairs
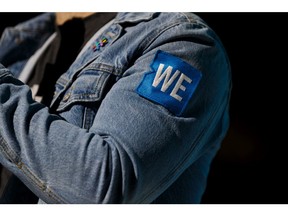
{"points": [[171, 82]]}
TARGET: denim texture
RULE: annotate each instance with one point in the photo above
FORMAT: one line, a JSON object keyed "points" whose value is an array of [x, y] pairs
{"points": [[100, 141]]}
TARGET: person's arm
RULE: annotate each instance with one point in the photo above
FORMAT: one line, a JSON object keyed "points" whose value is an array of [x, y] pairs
{"points": [[137, 146]]}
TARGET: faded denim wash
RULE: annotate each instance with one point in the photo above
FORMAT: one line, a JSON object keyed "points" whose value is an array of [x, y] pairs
{"points": [[100, 141]]}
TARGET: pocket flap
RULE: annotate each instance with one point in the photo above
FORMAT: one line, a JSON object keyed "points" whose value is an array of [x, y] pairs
{"points": [[87, 87]]}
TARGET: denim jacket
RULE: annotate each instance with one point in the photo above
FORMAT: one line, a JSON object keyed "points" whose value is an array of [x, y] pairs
{"points": [[119, 130]]}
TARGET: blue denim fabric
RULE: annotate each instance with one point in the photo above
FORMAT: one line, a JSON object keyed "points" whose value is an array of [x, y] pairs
{"points": [[20, 42], [100, 141]]}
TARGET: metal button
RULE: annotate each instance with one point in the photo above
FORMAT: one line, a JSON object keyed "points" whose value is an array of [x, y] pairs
{"points": [[66, 97]]}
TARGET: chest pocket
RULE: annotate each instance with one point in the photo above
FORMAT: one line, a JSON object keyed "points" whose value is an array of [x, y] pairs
{"points": [[78, 101]]}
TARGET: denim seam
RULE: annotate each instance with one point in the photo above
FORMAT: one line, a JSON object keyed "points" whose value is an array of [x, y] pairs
{"points": [[10, 154], [86, 122], [104, 68], [179, 22], [148, 42], [86, 97], [13, 158], [42, 186], [66, 84]]}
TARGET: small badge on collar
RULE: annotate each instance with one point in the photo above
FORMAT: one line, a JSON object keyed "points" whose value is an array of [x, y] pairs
{"points": [[171, 82], [100, 43]]}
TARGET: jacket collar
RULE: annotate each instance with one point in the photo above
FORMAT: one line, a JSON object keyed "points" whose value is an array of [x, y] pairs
{"points": [[133, 17]]}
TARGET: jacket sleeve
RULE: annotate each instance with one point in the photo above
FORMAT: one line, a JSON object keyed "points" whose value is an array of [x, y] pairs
{"points": [[135, 149]]}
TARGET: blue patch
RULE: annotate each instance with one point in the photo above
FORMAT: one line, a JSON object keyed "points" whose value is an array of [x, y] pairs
{"points": [[171, 82]]}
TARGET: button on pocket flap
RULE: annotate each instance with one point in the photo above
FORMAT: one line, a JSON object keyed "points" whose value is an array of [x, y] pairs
{"points": [[87, 87]]}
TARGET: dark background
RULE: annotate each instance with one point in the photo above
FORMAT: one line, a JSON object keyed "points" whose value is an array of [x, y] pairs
{"points": [[251, 166]]}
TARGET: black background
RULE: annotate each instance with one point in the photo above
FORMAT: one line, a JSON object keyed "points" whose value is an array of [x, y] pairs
{"points": [[251, 166]]}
